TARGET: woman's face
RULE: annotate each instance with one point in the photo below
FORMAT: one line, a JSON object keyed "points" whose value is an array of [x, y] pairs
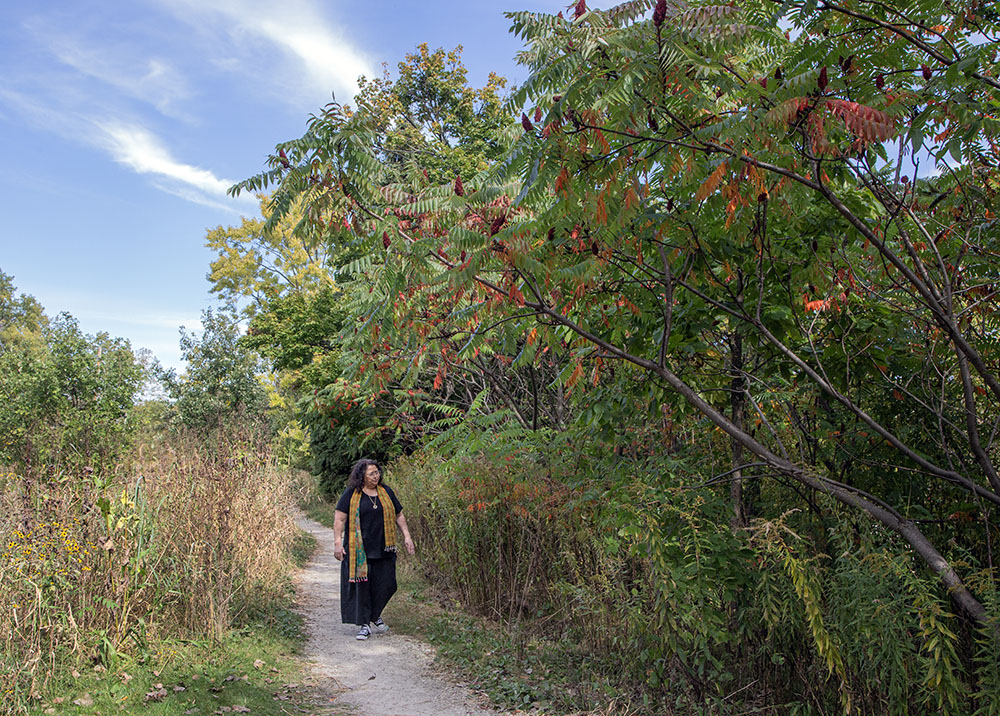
{"points": [[372, 476]]}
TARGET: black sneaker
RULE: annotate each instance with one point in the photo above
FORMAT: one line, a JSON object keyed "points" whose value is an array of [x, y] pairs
{"points": [[363, 633], [380, 626]]}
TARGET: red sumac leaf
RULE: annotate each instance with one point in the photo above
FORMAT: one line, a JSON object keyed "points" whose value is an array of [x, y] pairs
{"points": [[867, 123]]}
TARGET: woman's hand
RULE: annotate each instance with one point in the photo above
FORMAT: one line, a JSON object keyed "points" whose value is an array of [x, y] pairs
{"points": [[339, 520], [401, 523]]}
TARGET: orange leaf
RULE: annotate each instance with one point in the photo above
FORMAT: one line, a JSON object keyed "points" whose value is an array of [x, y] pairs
{"points": [[867, 123], [709, 186]]}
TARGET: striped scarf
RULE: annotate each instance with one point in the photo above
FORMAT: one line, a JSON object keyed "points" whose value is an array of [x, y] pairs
{"points": [[358, 560]]}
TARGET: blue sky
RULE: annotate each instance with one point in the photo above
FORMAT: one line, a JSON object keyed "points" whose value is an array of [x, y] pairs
{"points": [[123, 123]]}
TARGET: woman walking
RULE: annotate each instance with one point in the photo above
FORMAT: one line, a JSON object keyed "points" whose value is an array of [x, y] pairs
{"points": [[371, 513]]}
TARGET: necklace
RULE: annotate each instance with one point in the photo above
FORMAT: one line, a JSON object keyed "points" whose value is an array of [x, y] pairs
{"points": [[374, 501]]}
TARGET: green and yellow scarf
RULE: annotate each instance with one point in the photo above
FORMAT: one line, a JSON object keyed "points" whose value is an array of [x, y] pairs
{"points": [[358, 560]]}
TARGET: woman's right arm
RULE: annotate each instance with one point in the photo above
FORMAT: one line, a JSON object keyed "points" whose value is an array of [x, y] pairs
{"points": [[339, 518]]}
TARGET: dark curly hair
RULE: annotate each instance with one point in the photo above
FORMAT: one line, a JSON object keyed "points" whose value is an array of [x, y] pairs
{"points": [[356, 479]]}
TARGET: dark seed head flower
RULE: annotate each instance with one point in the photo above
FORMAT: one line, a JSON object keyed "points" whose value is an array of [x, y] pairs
{"points": [[659, 13], [497, 224], [651, 121], [526, 123], [462, 257], [926, 71], [581, 7], [822, 81], [459, 189], [385, 239], [778, 75], [880, 81], [538, 114]]}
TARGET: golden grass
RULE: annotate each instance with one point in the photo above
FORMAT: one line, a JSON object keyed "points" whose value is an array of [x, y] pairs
{"points": [[179, 542]]}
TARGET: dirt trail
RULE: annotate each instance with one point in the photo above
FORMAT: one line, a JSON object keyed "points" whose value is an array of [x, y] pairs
{"points": [[388, 675]]}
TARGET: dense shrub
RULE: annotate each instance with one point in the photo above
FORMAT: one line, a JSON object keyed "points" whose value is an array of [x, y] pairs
{"points": [[621, 558], [65, 397]]}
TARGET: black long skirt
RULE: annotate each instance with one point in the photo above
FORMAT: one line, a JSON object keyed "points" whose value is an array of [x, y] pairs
{"points": [[363, 602]]}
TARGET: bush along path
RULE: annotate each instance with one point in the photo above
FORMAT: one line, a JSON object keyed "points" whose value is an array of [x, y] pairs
{"points": [[387, 675]]}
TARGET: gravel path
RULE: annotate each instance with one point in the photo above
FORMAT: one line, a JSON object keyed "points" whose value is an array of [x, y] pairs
{"points": [[388, 675]]}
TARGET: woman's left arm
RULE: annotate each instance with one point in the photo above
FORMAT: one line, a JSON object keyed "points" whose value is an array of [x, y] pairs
{"points": [[407, 540]]}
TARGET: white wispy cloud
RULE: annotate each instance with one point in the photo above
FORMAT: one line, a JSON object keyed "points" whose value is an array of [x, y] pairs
{"points": [[151, 80], [134, 146], [297, 28], [144, 153]]}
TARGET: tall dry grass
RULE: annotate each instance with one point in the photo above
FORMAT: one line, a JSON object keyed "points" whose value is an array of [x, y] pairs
{"points": [[180, 541]]}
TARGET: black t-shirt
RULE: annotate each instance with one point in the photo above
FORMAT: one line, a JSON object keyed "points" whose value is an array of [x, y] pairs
{"points": [[372, 525]]}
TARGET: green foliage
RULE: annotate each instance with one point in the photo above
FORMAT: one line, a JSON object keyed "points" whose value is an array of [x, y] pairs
{"points": [[65, 397], [714, 245], [616, 561], [221, 383]]}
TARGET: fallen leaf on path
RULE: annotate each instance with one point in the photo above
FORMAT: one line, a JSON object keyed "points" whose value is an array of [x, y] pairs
{"points": [[85, 700], [258, 664], [156, 695]]}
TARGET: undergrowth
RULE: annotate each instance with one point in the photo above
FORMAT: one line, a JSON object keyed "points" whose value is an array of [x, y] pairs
{"points": [[619, 587], [188, 543]]}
